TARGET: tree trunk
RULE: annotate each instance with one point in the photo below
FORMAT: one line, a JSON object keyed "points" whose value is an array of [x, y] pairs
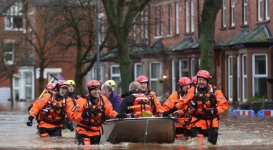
{"points": [[124, 64], [207, 31], [78, 81]]}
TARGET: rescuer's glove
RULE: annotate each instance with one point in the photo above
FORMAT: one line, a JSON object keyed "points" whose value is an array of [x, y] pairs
{"points": [[30, 120]]}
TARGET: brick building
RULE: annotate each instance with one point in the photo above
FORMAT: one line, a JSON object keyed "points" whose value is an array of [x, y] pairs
{"points": [[167, 32]]}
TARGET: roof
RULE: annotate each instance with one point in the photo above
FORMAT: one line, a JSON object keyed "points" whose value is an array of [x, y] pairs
{"points": [[187, 43], [140, 49], [5, 4], [258, 35]]}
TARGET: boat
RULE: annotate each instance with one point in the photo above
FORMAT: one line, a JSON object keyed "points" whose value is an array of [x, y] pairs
{"points": [[139, 130]]}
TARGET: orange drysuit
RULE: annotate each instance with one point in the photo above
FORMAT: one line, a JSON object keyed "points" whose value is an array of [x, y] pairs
{"points": [[91, 126], [170, 102], [201, 120], [153, 98], [51, 110]]}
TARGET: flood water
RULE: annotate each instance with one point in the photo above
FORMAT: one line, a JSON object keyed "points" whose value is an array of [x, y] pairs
{"points": [[236, 133]]}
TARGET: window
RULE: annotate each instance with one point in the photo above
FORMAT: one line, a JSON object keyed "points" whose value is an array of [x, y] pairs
{"points": [[224, 11], [245, 13], [244, 81], [259, 73], [159, 20], [260, 10], [28, 84], [174, 81], [187, 17], [232, 9], [102, 27], [138, 70], [192, 67], [183, 68], [155, 74], [134, 29], [192, 16], [177, 11], [170, 20], [9, 52], [144, 15], [115, 75], [230, 79], [25, 83], [238, 77], [267, 10], [13, 17], [16, 88]]}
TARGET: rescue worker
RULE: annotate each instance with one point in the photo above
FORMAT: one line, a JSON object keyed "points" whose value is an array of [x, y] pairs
{"points": [[194, 81], [151, 95], [112, 83], [90, 114], [136, 104], [108, 90], [182, 129], [52, 109], [68, 124], [207, 103]]}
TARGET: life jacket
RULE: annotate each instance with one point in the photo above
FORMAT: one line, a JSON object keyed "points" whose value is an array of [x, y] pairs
{"points": [[53, 112], [98, 117], [150, 95], [141, 106], [203, 102]]}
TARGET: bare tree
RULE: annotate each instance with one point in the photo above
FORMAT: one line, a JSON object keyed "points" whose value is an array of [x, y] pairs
{"points": [[10, 56], [120, 15], [43, 31]]}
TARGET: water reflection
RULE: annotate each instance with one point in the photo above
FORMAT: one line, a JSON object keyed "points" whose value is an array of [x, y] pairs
{"points": [[235, 133]]}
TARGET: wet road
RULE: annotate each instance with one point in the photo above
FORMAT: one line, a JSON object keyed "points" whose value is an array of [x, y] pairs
{"points": [[236, 133]]}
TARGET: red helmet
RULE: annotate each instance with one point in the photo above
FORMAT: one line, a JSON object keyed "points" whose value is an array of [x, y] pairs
{"points": [[142, 78], [194, 79], [50, 86], [184, 81], [92, 84], [203, 74], [61, 83]]}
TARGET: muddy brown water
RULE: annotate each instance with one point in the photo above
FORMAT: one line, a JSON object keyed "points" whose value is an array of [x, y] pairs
{"points": [[236, 133]]}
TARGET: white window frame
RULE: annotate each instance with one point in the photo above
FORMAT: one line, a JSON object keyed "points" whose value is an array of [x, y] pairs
{"points": [[14, 10], [224, 11], [244, 75], [170, 20], [259, 75], [136, 74], [177, 12], [245, 11], [159, 93], [232, 13], [260, 18], [267, 10], [192, 16], [173, 76], [238, 78], [187, 16], [47, 71], [22, 82], [9, 62], [16, 79], [116, 75], [186, 69], [230, 78]]}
